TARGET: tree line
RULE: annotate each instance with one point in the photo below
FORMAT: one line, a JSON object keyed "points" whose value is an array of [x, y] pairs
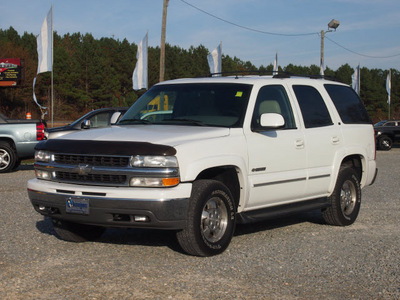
{"points": [[93, 73]]}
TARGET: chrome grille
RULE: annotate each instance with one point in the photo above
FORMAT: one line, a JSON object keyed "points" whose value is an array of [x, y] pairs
{"points": [[108, 161], [92, 178]]}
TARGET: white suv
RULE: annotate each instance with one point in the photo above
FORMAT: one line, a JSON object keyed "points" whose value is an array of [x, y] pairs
{"points": [[200, 155]]}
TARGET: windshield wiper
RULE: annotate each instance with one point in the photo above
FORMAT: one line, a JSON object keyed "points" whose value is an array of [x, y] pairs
{"points": [[188, 121], [134, 121]]}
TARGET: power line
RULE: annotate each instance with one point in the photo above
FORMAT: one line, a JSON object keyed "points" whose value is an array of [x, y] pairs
{"points": [[360, 54], [284, 34], [248, 28]]}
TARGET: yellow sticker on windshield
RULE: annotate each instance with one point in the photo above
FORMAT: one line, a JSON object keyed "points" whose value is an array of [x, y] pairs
{"points": [[239, 94]]}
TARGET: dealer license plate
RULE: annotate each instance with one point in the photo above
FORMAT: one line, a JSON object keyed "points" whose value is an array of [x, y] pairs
{"points": [[76, 205]]}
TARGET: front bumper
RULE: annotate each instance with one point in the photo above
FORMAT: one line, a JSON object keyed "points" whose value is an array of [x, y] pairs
{"points": [[163, 208]]}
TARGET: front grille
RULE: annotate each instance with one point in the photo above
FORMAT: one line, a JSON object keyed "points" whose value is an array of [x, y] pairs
{"points": [[92, 178], [108, 161]]}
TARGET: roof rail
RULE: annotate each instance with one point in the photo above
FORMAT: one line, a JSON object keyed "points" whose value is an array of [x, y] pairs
{"points": [[238, 74]]}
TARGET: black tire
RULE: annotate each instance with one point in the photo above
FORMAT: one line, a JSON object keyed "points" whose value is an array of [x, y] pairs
{"points": [[385, 143], [8, 157], [345, 200], [211, 219], [78, 233]]}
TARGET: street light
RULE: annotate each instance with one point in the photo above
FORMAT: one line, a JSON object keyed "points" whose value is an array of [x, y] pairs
{"points": [[332, 26]]}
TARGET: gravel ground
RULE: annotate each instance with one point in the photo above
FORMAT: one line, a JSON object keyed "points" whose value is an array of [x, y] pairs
{"points": [[292, 258]]}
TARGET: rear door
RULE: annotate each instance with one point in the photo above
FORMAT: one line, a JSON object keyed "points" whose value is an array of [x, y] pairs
{"points": [[322, 138]]}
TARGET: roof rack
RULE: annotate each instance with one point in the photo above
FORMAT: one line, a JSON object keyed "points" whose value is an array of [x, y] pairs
{"points": [[238, 74]]}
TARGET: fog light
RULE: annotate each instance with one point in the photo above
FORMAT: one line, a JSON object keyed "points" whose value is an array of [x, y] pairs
{"points": [[141, 218]]}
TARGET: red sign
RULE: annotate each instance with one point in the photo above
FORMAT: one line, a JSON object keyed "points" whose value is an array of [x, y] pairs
{"points": [[10, 71]]}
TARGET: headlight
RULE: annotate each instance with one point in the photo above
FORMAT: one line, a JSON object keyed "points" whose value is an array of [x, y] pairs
{"points": [[43, 156], [153, 182], [140, 161], [46, 175]]}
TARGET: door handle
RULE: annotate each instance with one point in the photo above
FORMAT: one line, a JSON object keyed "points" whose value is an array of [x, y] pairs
{"points": [[299, 144], [335, 140]]}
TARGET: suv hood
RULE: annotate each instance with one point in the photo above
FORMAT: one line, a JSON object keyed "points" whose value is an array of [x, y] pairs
{"points": [[156, 134]]}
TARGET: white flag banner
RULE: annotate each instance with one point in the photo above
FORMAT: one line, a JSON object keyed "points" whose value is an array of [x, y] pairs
{"points": [[215, 60], [388, 86], [139, 77], [44, 48], [355, 79], [44, 45], [275, 69]]}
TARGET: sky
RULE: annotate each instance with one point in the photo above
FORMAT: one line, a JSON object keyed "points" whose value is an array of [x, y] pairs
{"points": [[369, 31]]}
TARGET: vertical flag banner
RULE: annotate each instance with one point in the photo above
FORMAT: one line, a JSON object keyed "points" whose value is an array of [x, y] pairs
{"points": [[355, 78], [215, 60], [139, 77], [388, 85], [44, 43], [275, 69], [44, 49]]}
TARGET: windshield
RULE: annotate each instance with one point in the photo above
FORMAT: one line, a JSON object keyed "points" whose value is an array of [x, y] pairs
{"points": [[198, 104]]}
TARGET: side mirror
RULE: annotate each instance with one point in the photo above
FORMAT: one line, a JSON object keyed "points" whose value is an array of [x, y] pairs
{"points": [[115, 117], [85, 124], [272, 121]]}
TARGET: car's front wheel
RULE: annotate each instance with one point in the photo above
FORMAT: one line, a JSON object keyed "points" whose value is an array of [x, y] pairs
{"points": [[385, 143], [211, 219]]}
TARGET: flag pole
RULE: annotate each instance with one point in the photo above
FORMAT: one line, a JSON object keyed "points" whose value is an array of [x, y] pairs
{"points": [[52, 69]]}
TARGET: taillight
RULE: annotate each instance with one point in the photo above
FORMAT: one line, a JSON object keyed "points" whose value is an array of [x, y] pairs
{"points": [[39, 131]]}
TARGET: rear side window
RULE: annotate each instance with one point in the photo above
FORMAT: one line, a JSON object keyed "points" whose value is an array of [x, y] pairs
{"points": [[312, 106], [348, 105]]}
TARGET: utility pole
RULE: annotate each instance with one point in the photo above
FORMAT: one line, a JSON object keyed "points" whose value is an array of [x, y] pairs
{"points": [[162, 48], [322, 53]]}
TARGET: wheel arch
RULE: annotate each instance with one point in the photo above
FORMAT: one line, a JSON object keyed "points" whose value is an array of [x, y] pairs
{"points": [[10, 141], [228, 175]]}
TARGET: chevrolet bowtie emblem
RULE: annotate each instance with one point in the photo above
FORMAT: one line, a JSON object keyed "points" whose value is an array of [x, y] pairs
{"points": [[84, 169]]}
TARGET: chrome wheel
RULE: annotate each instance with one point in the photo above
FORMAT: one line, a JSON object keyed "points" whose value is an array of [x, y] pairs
{"points": [[5, 159], [348, 197], [214, 220]]}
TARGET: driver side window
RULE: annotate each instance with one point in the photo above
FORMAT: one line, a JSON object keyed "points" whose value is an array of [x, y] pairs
{"points": [[273, 99]]}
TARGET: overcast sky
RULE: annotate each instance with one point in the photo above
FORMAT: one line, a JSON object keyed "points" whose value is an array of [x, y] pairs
{"points": [[370, 28]]}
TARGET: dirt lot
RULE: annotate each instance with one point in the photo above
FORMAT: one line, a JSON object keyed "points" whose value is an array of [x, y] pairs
{"points": [[292, 258]]}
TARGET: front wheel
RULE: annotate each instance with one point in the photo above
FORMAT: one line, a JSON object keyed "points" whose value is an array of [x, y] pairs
{"points": [[211, 219], [345, 200], [385, 143], [78, 233]]}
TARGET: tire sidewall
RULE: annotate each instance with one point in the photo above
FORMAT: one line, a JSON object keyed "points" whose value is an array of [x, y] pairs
{"points": [[11, 153], [382, 146], [348, 174], [211, 189]]}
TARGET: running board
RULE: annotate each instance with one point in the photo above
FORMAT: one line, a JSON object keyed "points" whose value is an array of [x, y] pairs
{"points": [[281, 210]]}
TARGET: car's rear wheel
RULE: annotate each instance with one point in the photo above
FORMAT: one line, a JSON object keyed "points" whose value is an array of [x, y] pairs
{"points": [[345, 200], [211, 219], [75, 232], [8, 157]]}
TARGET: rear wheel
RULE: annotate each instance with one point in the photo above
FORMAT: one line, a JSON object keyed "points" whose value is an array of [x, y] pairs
{"points": [[8, 157], [211, 219], [385, 143], [345, 200], [75, 232]]}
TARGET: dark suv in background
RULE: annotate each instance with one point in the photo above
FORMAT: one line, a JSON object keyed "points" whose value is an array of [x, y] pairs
{"points": [[387, 133]]}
